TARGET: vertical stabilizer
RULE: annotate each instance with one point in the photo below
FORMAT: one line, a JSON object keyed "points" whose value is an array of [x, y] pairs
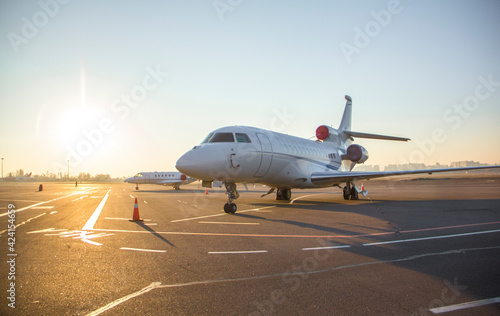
{"points": [[345, 123]]}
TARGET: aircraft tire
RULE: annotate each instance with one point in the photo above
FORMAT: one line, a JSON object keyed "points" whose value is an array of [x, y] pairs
{"points": [[347, 196]]}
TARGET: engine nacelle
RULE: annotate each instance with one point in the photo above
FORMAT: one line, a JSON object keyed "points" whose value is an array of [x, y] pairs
{"points": [[356, 153], [324, 132]]}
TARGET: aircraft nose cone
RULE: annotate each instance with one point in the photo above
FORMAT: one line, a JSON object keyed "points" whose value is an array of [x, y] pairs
{"points": [[185, 163]]}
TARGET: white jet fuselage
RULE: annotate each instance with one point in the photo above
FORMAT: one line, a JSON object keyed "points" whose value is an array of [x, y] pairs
{"points": [[252, 155]]}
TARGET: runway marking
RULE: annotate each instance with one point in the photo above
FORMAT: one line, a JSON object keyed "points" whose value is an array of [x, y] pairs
{"points": [[126, 219], [46, 230], [22, 223], [429, 238], [93, 219], [43, 207], [53, 212], [330, 247], [131, 196], [101, 310], [456, 307], [256, 235], [229, 223], [304, 196], [158, 285], [236, 252], [40, 203], [219, 214], [144, 250]]}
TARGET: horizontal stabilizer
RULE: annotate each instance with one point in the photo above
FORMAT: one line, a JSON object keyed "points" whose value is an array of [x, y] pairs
{"points": [[375, 136]]}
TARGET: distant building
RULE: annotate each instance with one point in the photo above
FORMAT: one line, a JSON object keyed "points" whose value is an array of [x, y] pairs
{"points": [[459, 164]]}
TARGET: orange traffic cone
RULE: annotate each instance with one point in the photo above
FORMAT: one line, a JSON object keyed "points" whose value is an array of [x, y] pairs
{"points": [[206, 191], [135, 217], [362, 186]]}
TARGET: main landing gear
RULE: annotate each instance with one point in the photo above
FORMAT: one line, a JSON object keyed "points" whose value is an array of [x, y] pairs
{"points": [[232, 195], [284, 194], [137, 186], [350, 192]]}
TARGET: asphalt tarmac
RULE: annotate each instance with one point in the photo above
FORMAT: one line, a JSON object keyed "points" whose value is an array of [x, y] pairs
{"points": [[411, 247]]}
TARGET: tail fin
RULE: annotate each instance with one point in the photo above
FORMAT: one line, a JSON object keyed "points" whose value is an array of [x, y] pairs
{"points": [[345, 123], [345, 126]]}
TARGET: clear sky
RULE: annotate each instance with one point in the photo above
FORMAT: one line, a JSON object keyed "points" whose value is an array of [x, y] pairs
{"points": [[120, 87]]}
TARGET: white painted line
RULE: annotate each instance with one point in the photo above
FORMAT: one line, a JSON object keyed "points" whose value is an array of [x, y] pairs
{"points": [[144, 250], [219, 214], [46, 231], [53, 212], [126, 219], [151, 224], [229, 223], [93, 219], [456, 307], [93, 236], [304, 196], [429, 238], [235, 252], [131, 196], [34, 205], [118, 219], [42, 207], [101, 310], [145, 202], [330, 247]]}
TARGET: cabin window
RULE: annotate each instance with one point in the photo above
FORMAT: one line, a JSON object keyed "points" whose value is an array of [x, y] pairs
{"points": [[242, 138], [222, 138]]}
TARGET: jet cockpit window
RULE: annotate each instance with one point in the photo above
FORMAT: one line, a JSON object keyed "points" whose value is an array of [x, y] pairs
{"points": [[242, 138], [138, 175], [207, 138], [222, 138]]}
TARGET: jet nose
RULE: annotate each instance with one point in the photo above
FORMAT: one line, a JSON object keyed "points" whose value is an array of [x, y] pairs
{"points": [[199, 163], [184, 163]]}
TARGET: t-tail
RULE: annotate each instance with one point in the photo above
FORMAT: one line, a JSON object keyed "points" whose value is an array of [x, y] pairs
{"points": [[344, 133]]}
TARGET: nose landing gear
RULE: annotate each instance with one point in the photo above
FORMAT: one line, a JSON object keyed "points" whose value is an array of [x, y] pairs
{"points": [[232, 195]]}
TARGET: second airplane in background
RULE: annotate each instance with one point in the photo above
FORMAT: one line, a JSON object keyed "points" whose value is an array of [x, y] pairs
{"points": [[172, 178]]}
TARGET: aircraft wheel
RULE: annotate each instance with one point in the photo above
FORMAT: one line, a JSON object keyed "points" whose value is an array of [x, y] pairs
{"points": [[226, 208], [346, 194], [354, 195], [286, 194], [137, 188], [232, 208]]}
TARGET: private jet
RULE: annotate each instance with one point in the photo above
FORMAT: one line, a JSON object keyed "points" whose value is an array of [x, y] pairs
{"points": [[172, 178], [242, 154]]}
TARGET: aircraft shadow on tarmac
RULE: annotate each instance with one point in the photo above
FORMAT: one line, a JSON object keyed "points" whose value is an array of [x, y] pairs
{"points": [[467, 265]]}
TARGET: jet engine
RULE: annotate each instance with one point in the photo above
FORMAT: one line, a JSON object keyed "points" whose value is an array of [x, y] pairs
{"points": [[356, 153], [324, 132]]}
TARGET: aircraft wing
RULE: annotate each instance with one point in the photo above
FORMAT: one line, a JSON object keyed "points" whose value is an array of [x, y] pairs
{"points": [[331, 178]]}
